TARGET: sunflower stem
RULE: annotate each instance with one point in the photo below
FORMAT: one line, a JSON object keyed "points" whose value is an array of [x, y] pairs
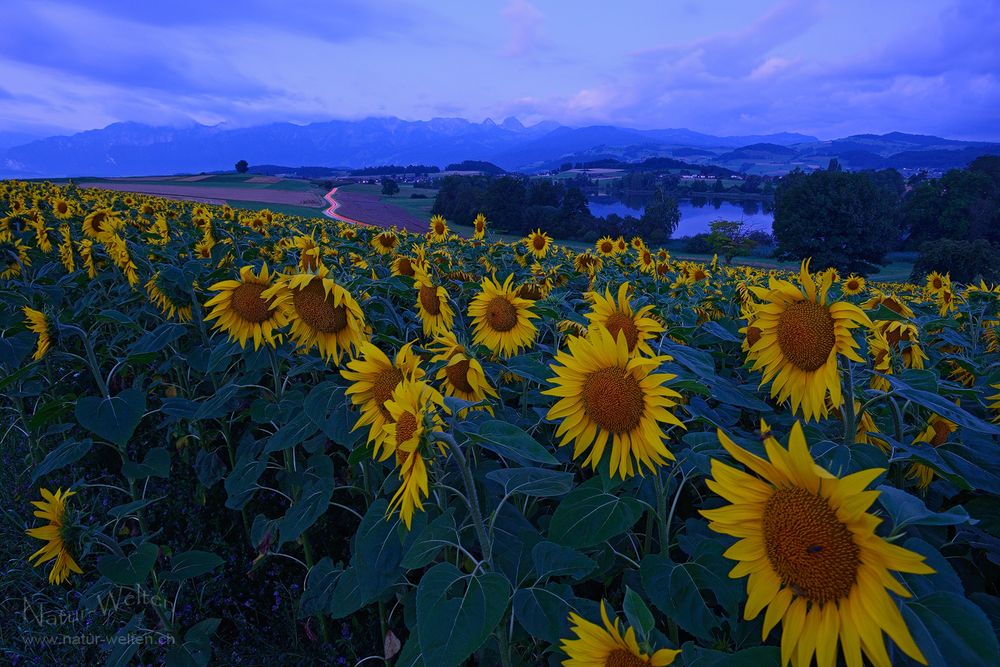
{"points": [[95, 368], [661, 512], [470, 488], [850, 417]]}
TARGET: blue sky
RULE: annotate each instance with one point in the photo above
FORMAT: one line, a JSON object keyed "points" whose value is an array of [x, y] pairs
{"points": [[828, 68]]}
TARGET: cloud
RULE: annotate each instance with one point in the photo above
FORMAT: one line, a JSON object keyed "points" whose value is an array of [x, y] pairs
{"points": [[940, 76], [526, 28]]}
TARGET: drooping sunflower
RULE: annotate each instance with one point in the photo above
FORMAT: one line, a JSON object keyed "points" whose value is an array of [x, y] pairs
{"points": [[995, 403], [607, 647], [800, 338], [66, 249], [607, 394], [439, 229], [814, 561], [619, 318], [373, 378], [645, 261], [99, 222], [38, 323], [538, 242], [937, 432], [53, 508], [881, 354], [436, 314], [243, 311], [414, 409], [899, 334], [321, 313], [853, 285], [385, 242], [461, 375], [14, 255], [479, 227], [501, 319], [86, 248], [170, 304], [588, 262]]}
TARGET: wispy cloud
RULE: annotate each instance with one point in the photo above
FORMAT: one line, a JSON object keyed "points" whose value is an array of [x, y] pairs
{"points": [[526, 28]]}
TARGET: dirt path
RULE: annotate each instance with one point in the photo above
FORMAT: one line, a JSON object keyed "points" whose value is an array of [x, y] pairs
{"points": [[364, 209]]}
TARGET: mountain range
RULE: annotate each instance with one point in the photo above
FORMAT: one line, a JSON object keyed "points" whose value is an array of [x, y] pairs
{"points": [[130, 149]]}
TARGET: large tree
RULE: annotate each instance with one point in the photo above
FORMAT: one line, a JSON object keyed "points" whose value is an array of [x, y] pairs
{"points": [[242, 167], [660, 218], [840, 219]]}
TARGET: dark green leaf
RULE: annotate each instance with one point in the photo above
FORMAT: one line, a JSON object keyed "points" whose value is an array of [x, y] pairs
{"points": [[129, 570], [553, 560], [114, 418], [589, 516], [189, 564], [509, 440], [638, 614], [533, 481], [65, 454], [155, 464], [456, 612], [907, 510]]}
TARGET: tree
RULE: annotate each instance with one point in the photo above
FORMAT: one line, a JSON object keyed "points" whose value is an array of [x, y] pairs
{"points": [[840, 219], [660, 218], [242, 167], [730, 238], [718, 187], [966, 261], [389, 186]]}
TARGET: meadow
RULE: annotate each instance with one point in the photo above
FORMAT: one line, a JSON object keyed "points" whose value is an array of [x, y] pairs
{"points": [[291, 440]]}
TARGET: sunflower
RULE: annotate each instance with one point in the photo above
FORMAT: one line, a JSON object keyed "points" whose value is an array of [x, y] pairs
{"points": [[936, 433], [646, 261], [461, 375], [605, 246], [373, 378], [385, 242], [37, 322], [66, 250], [606, 647], [99, 222], [309, 252], [436, 314], [414, 410], [945, 301], [936, 283], [403, 266], [607, 394], [53, 508], [321, 313], [900, 335], [502, 320], [439, 228], [800, 338], [621, 246], [588, 262], [619, 318], [86, 248], [170, 304], [538, 242], [881, 354], [243, 311], [995, 402], [62, 209], [637, 243], [810, 550], [853, 285], [479, 227], [15, 255]]}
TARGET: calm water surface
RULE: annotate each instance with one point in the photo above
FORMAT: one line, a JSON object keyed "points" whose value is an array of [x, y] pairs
{"points": [[696, 214]]}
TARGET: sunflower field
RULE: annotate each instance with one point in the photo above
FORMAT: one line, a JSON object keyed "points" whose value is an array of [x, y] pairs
{"points": [[299, 441]]}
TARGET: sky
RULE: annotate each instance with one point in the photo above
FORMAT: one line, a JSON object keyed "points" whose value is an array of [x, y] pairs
{"points": [[826, 68]]}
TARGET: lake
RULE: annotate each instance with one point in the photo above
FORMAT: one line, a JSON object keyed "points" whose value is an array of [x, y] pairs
{"points": [[696, 214]]}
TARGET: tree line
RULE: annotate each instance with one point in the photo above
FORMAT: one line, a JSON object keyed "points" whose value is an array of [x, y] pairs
{"points": [[851, 220], [519, 205]]}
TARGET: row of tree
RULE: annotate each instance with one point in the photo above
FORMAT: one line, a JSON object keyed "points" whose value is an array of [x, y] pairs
{"points": [[519, 205], [852, 220]]}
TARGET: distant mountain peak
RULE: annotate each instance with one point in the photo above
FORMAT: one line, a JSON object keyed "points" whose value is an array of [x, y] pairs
{"points": [[512, 124]]}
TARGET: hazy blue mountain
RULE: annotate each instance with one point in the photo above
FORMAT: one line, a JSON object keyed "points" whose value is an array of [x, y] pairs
{"points": [[125, 149]]}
